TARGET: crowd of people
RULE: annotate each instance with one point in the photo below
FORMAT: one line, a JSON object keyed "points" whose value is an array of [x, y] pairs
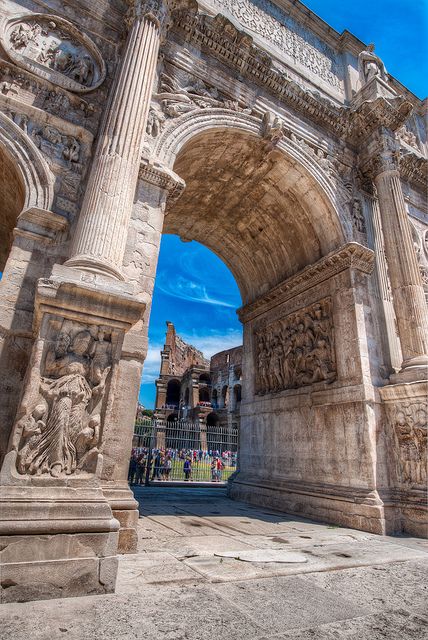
{"points": [[158, 464]]}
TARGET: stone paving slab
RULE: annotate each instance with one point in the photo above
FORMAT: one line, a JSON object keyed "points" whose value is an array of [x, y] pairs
{"points": [[354, 585], [394, 625], [296, 604], [138, 570]]}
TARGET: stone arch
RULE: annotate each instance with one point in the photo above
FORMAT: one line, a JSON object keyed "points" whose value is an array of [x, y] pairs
{"points": [[173, 392], [32, 167], [300, 222], [181, 131], [26, 180]]}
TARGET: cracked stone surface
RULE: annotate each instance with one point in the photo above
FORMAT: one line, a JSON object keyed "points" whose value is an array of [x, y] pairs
{"points": [[185, 582]]}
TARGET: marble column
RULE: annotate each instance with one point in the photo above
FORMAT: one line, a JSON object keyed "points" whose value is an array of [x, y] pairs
{"points": [[101, 234], [406, 284]]}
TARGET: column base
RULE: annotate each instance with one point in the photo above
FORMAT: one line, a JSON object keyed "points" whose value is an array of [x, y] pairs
{"points": [[88, 263], [414, 370]]}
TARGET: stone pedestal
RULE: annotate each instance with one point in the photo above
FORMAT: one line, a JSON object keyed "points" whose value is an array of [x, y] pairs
{"points": [[58, 533], [406, 423]]}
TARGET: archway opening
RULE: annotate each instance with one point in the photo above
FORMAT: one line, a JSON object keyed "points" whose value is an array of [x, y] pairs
{"points": [[225, 396], [214, 399], [173, 394], [12, 198], [267, 217], [204, 395]]}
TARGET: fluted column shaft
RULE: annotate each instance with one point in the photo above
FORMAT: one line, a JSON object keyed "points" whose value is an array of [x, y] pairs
{"points": [[406, 283], [100, 238]]}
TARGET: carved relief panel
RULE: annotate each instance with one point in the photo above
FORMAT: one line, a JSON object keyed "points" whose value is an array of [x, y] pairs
{"points": [[55, 49], [297, 350], [409, 423], [272, 23], [60, 434]]}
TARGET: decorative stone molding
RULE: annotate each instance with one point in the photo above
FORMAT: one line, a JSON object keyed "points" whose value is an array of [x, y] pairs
{"points": [[381, 154], [39, 181], [236, 49], [371, 115], [414, 169], [16, 82], [302, 46], [351, 256], [160, 176], [296, 351], [55, 49]]}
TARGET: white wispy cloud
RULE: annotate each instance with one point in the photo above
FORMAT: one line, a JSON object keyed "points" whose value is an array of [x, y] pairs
{"points": [[182, 287]]}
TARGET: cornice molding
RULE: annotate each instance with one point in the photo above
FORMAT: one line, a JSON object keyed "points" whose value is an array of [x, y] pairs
{"points": [[236, 49], [414, 169], [156, 174], [351, 256]]}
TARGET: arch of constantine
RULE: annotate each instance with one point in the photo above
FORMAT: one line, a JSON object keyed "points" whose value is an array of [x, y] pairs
{"points": [[287, 149]]}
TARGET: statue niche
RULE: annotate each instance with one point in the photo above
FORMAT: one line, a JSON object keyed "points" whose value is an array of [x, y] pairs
{"points": [[297, 350], [61, 434]]}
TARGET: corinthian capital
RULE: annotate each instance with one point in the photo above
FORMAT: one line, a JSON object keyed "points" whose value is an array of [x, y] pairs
{"points": [[381, 154], [159, 11]]}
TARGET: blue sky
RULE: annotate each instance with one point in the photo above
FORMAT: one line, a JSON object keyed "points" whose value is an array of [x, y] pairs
{"points": [[194, 289], [399, 29]]}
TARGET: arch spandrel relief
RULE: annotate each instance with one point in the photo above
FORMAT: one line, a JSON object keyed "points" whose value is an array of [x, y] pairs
{"points": [[54, 49]]}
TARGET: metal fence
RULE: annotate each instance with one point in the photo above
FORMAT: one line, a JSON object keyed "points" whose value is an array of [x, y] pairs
{"points": [[182, 451]]}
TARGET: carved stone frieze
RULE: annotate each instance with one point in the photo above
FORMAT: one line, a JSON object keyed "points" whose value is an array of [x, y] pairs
{"points": [[54, 145], [301, 45], [235, 48], [297, 350], [54, 48], [409, 423], [60, 434]]}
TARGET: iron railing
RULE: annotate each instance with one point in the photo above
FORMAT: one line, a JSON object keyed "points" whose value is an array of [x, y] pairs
{"points": [[179, 450]]}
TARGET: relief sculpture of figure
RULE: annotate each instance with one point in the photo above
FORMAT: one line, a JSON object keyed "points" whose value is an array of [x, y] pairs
{"points": [[75, 370], [296, 350], [411, 434], [371, 65]]}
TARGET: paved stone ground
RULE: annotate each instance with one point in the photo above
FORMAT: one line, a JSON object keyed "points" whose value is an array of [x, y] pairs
{"points": [[346, 584]]}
